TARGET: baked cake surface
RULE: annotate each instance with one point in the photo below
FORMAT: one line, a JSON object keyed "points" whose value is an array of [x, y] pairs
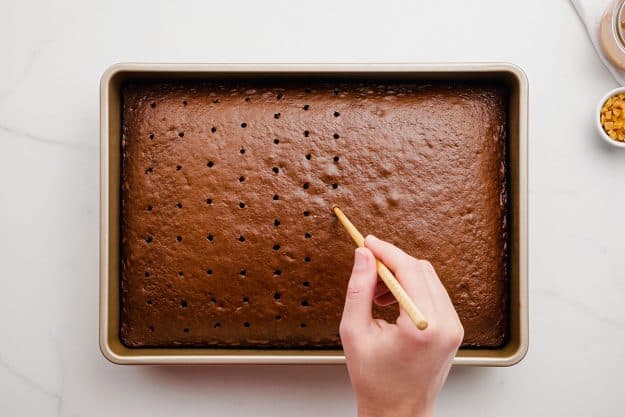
{"points": [[227, 187]]}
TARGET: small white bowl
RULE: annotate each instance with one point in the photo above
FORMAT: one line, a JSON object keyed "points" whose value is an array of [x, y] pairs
{"points": [[600, 129]]}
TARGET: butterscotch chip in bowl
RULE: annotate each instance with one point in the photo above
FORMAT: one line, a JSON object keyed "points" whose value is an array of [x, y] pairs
{"points": [[611, 117]]}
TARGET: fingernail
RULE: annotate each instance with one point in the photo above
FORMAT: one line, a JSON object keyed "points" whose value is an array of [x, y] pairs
{"points": [[371, 237], [360, 259]]}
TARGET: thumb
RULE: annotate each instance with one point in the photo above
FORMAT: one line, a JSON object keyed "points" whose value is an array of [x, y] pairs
{"points": [[360, 292]]}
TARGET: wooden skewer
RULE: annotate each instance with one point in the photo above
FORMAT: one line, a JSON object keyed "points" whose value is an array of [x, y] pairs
{"points": [[387, 276]]}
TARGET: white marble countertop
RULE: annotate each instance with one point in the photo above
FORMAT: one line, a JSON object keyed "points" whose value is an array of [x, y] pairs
{"points": [[53, 54]]}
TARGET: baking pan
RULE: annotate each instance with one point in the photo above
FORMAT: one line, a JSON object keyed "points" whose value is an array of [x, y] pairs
{"points": [[111, 346]]}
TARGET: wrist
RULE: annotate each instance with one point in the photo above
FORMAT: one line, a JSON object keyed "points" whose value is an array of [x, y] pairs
{"points": [[397, 410]]}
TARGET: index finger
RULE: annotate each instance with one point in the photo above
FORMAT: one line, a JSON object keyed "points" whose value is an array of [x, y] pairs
{"points": [[407, 270]]}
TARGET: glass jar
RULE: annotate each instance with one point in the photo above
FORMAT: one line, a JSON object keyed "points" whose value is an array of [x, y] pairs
{"points": [[612, 33]]}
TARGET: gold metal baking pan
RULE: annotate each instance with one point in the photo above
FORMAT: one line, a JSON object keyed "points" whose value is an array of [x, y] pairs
{"points": [[110, 156]]}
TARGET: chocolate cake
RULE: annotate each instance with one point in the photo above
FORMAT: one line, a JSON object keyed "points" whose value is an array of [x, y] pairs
{"points": [[228, 238]]}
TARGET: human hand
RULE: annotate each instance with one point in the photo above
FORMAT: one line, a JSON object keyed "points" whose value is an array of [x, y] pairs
{"points": [[396, 369]]}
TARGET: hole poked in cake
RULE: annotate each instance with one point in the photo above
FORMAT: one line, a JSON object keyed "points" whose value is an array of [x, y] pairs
{"points": [[277, 295], [306, 107], [151, 329], [277, 273], [181, 135], [306, 133], [243, 272], [179, 205], [278, 317], [213, 129], [276, 247], [336, 136], [336, 159], [178, 167], [184, 303], [307, 259], [153, 104], [184, 102], [242, 178], [186, 330], [276, 141], [179, 238], [149, 170], [242, 151], [209, 201], [302, 325], [308, 156], [149, 239], [279, 96], [335, 185], [146, 274], [276, 115], [241, 238], [241, 204], [210, 164], [336, 114], [209, 272], [151, 136], [275, 197], [304, 303], [149, 302], [210, 237], [217, 325], [149, 207], [246, 300], [306, 213], [307, 235], [276, 222], [306, 283], [180, 274], [247, 324], [244, 125], [306, 185], [275, 170]]}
